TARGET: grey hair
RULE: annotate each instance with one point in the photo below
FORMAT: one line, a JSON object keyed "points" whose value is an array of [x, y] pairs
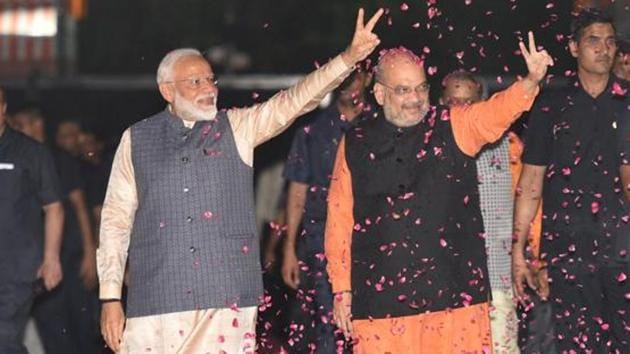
{"points": [[463, 75], [166, 65]]}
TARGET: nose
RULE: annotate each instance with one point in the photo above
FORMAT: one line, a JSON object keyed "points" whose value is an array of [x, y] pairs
{"points": [[208, 82], [208, 87], [419, 96], [605, 47], [610, 46]]}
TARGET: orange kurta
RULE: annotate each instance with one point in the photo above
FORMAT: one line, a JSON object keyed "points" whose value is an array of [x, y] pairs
{"points": [[462, 329]]}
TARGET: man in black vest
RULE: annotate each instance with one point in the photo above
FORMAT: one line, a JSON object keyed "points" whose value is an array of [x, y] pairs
{"points": [[180, 201], [404, 233], [572, 162]]}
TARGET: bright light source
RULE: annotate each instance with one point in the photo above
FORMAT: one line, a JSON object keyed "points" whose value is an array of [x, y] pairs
{"points": [[37, 22]]}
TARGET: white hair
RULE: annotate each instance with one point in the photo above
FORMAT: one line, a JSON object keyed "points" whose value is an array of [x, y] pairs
{"points": [[166, 65]]}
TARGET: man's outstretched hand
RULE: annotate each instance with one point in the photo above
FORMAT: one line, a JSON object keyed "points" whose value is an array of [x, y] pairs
{"points": [[364, 40], [537, 61]]}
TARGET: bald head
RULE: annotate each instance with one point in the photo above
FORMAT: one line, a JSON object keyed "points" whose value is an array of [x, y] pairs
{"points": [[460, 88], [401, 87], [389, 59]]}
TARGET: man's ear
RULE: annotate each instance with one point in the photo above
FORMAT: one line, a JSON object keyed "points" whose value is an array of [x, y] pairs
{"points": [[167, 91], [379, 93], [573, 48]]}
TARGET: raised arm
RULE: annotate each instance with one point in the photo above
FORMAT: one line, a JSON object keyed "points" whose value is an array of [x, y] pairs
{"points": [[481, 123], [262, 122]]}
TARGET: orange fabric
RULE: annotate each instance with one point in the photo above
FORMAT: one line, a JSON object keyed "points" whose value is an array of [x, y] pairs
{"points": [[463, 330], [340, 221], [516, 151], [485, 122], [473, 127], [77, 8]]}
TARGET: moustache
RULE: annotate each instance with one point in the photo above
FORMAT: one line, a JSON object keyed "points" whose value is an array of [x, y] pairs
{"points": [[210, 96], [414, 105]]}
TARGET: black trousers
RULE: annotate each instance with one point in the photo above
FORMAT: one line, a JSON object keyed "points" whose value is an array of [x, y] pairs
{"points": [[590, 308], [15, 305], [536, 330], [66, 317]]}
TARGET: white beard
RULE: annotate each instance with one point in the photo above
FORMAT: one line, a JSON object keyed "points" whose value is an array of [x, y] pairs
{"points": [[187, 110]]}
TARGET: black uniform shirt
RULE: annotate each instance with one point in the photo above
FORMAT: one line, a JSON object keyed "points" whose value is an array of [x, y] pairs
{"points": [[28, 181], [577, 137]]}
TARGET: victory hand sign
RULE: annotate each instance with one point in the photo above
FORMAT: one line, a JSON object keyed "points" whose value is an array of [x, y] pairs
{"points": [[364, 40], [537, 61]]}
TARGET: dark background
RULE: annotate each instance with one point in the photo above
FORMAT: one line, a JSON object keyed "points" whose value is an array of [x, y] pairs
{"points": [[129, 37], [126, 39]]}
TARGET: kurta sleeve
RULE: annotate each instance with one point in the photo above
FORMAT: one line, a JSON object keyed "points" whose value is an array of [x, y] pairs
{"points": [[254, 125], [339, 224], [119, 209], [485, 122]]}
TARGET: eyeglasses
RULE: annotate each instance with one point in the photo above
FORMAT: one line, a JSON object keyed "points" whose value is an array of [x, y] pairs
{"points": [[196, 82], [405, 90]]}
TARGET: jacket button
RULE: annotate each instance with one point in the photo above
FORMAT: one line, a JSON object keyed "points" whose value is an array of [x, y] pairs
{"points": [[185, 159], [189, 219], [192, 249]]}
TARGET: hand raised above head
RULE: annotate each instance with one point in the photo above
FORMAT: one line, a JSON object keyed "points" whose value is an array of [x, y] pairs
{"points": [[364, 40], [537, 61]]}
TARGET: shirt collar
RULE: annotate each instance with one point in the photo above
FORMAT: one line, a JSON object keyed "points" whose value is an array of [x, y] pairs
{"points": [[345, 124], [179, 122], [577, 87]]}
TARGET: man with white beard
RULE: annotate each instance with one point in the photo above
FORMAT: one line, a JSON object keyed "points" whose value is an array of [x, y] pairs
{"points": [[180, 203]]}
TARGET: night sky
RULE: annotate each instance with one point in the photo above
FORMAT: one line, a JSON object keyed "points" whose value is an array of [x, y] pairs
{"points": [[289, 36], [125, 38]]}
